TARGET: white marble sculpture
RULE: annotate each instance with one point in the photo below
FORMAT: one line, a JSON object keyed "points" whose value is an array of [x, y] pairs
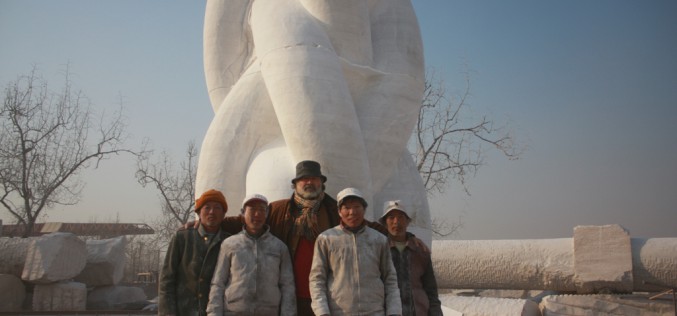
{"points": [[336, 81]]}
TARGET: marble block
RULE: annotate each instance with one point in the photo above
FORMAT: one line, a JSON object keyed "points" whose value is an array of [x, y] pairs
{"points": [[54, 257], [105, 262], [602, 259]]}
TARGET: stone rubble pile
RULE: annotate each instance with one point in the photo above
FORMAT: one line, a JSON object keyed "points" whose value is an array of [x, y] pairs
{"points": [[490, 305], [64, 273], [105, 262], [600, 271], [560, 305], [56, 257], [598, 258], [549, 304]]}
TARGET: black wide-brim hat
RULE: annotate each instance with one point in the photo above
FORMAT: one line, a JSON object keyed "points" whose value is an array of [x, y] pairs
{"points": [[308, 168]]}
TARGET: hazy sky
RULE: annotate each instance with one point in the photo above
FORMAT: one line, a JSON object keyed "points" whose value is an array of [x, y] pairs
{"points": [[589, 86]]}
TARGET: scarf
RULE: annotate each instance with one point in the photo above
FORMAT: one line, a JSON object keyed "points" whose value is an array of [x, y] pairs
{"points": [[305, 219]]}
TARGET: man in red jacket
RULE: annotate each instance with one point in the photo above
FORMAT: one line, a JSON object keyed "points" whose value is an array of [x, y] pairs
{"points": [[297, 221]]}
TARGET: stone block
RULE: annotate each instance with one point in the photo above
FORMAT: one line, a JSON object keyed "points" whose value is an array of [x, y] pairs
{"points": [[545, 264], [602, 259], [601, 305], [654, 264], [13, 293], [13, 255], [105, 262], [114, 297], [446, 311], [60, 296], [54, 257], [481, 306]]}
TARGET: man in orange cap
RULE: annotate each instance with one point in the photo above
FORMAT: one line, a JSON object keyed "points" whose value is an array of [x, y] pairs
{"points": [[191, 259]]}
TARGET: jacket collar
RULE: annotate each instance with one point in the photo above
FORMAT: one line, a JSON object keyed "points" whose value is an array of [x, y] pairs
{"points": [[266, 229], [354, 231], [409, 243], [202, 232]]}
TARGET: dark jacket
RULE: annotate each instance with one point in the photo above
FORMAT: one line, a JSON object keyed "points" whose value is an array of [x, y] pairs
{"points": [[416, 280], [187, 272], [281, 219]]}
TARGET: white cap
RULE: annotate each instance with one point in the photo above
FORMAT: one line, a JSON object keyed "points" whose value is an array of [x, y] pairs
{"points": [[390, 206], [254, 196], [347, 192]]}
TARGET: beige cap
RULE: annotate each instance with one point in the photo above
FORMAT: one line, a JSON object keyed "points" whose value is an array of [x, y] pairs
{"points": [[348, 192], [252, 197], [390, 206]]}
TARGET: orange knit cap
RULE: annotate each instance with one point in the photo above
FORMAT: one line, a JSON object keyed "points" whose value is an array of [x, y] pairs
{"points": [[211, 196]]}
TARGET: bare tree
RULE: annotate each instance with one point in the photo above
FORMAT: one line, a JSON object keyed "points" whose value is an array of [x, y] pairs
{"points": [[443, 227], [45, 144], [176, 189], [448, 144]]}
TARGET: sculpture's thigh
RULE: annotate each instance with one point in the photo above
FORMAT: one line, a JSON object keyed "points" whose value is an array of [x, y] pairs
{"points": [[309, 93], [244, 123]]}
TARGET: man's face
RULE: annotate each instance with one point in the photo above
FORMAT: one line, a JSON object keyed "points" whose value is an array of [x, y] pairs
{"points": [[255, 213], [211, 215], [352, 212], [308, 188], [397, 223]]}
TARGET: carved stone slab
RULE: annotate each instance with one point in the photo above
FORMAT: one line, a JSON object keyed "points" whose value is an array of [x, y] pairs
{"points": [[602, 259], [105, 262]]}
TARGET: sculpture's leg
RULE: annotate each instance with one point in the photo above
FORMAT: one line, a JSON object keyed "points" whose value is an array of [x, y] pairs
{"points": [[387, 114], [389, 109], [309, 93], [244, 123]]}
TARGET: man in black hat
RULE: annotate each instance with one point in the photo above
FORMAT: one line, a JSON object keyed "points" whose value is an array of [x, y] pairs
{"points": [[298, 220]]}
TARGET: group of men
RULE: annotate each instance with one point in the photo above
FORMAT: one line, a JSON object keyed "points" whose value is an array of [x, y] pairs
{"points": [[306, 255]]}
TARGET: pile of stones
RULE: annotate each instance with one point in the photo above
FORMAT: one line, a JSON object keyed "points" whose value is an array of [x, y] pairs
{"points": [[61, 272]]}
